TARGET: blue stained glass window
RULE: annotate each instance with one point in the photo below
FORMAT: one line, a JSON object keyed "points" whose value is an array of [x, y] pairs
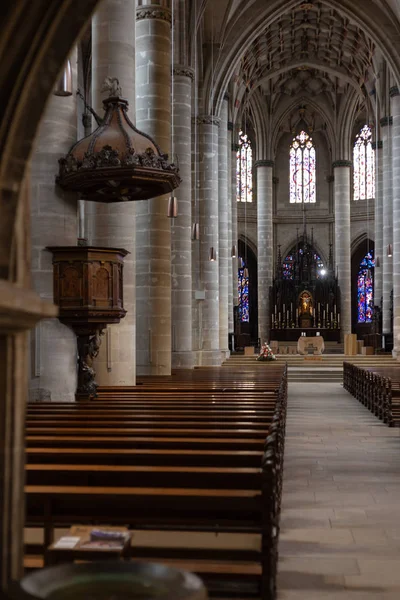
{"points": [[365, 289], [302, 169], [364, 165], [288, 271], [243, 295], [288, 264], [244, 169]]}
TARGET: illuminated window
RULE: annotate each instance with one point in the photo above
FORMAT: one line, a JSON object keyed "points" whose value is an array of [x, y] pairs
{"points": [[364, 165], [244, 166], [365, 289], [302, 169], [243, 295], [288, 264]]}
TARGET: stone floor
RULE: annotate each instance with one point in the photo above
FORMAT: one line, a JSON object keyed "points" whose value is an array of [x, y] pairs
{"points": [[340, 525]]}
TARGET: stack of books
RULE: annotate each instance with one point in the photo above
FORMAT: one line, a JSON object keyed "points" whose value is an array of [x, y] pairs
{"points": [[106, 539]]}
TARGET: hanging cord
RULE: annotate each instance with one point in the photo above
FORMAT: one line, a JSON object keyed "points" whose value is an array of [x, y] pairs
{"points": [[172, 81], [247, 174], [196, 115]]}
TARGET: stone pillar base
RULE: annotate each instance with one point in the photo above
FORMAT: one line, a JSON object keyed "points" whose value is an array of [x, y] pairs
{"points": [[183, 360], [225, 354], [209, 358]]}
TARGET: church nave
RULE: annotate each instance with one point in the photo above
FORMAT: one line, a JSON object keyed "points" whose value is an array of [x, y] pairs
{"points": [[340, 531]]}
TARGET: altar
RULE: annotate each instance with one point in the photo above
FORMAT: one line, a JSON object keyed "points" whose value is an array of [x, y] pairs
{"points": [[315, 342], [304, 297]]}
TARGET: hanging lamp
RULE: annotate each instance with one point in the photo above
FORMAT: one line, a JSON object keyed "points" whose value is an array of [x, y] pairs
{"points": [[64, 83], [117, 162], [377, 262], [172, 207], [212, 256], [233, 251], [389, 250]]}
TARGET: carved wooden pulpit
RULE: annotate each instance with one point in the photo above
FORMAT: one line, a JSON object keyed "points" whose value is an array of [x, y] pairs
{"points": [[88, 288]]}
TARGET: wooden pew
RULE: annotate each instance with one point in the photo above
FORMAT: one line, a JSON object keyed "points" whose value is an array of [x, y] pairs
{"points": [[227, 478]]}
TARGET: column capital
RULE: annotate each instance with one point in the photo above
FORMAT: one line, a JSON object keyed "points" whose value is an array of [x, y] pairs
{"points": [[230, 126], [264, 163], [386, 121], [378, 144], [161, 13], [183, 71], [394, 91], [207, 120], [342, 163]]}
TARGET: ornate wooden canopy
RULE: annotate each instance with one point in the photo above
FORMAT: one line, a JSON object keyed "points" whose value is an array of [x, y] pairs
{"points": [[117, 162]]}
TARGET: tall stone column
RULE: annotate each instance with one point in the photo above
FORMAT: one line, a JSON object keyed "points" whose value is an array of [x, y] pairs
{"points": [[235, 262], [379, 250], [387, 262], [53, 373], [342, 240], [230, 239], [395, 109], [265, 245], [224, 251], [209, 270], [113, 54], [20, 309], [182, 354], [153, 227]]}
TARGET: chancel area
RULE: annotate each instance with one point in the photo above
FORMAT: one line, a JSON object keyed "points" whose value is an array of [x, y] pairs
{"points": [[200, 295]]}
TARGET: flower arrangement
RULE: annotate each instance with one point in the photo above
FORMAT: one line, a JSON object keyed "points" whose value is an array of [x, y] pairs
{"points": [[266, 353]]}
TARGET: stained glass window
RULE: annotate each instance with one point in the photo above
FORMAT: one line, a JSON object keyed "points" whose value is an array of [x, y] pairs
{"points": [[364, 165], [243, 295], [365, 289], [288, 264], [302, 169], [244, 169]]}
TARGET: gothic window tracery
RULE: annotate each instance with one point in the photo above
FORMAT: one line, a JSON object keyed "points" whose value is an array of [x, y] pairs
{"points": [[364, 165], [243, 295], [244, 169], [365, 289], [302, 169], [288, 264]]}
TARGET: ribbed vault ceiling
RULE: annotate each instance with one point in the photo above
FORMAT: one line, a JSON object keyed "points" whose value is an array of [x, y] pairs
{"points": [[314, 38]]}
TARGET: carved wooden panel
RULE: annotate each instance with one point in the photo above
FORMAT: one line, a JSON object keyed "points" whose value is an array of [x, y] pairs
{"points": [[88, 285]]}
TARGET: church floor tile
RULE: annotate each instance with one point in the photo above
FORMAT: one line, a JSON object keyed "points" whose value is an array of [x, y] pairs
{"points": [[340, 524]]}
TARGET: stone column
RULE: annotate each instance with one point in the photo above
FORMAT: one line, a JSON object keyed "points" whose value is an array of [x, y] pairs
{"points": [[54, 223], [113, 54], [235, 262], [342, 240], [230, 239], [153, 227], [224, 251], [379, 250], [20, 309], [387, 262], [395, 109], [209, 270], [182, 354], [265, 263]]}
